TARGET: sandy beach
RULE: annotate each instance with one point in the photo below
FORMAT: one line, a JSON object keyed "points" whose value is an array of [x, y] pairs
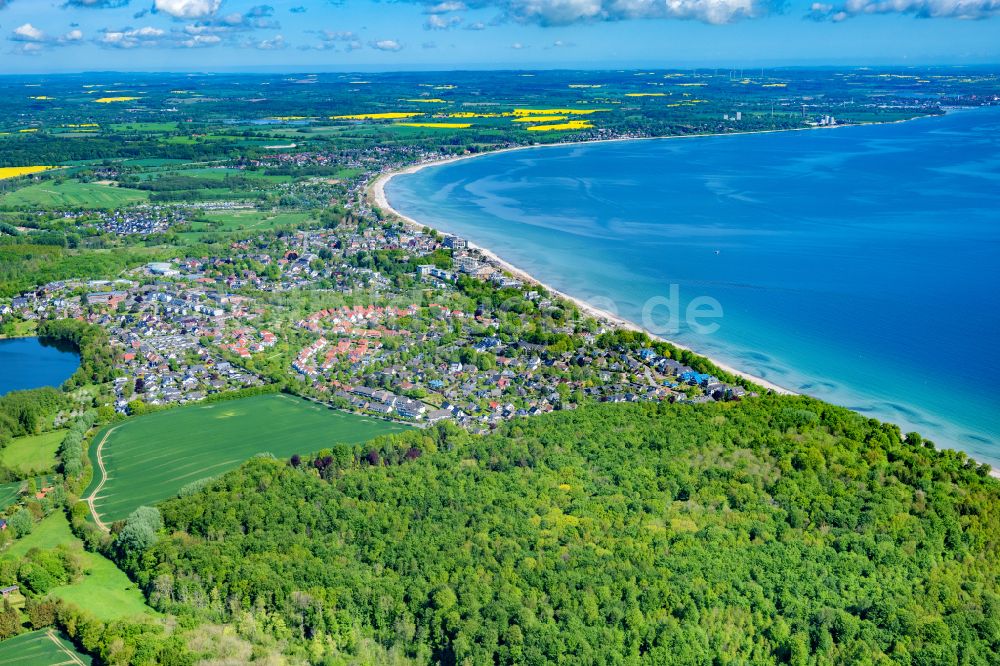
{"points": [[376, 194]]}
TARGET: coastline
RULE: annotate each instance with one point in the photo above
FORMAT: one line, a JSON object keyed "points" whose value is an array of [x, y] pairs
{"points": [[375, 192]]}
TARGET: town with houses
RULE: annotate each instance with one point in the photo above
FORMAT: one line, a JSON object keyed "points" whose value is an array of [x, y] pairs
{"points": [[397, 338]]}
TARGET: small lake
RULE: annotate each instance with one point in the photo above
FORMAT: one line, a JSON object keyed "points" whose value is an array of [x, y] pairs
{"points": [[27, 363]]}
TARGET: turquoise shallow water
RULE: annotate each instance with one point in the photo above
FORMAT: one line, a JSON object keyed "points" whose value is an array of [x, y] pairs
{"points": [[859, 265]]}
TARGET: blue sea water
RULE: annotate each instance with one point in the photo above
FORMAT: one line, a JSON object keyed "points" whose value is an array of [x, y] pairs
{"points": [[859, 265], [27, 363]]}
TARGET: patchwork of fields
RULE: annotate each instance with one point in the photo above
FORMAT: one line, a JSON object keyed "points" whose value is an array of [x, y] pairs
{"points": [[41, 648], [151, 458]]}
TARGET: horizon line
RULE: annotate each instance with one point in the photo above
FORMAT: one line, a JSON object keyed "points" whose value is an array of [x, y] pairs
{"points": [[381, 69]]}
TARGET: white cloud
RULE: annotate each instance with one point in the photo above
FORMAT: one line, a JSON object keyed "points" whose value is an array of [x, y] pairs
{"points": [[130, 38], [276, 43], [438, 22], [187, 9], [28, 33], [72, 36], [386, 45], [566, 12], [197, 41], [444, 7], [517, 46], [97, 4], [960, 9], [332, 40]]}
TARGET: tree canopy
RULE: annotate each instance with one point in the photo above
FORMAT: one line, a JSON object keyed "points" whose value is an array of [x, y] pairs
{"points": [[779, 530]]}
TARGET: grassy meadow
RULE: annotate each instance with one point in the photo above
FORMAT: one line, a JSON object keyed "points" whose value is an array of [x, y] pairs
{"points": [[104, 589], [34, 454], [152, 457], [72, 194]]}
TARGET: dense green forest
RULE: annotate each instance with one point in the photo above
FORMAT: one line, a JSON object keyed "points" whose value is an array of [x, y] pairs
{"points": [[778, 530]]}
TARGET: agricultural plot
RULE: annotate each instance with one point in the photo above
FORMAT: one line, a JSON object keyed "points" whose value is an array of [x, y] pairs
{"points": [[34, 454], [150, 458], [104, 589], [244, 220], [72, 194], [9, 492], [41, 648]]}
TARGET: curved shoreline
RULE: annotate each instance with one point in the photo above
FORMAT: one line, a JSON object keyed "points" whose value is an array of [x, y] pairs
{"points": [[376, 194]]}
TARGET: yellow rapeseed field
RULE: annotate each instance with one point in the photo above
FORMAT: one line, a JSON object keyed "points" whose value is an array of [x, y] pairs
{"points": [[438, 125], [539, 119], [28, 131], [14, 172], [391, 115], [562, 127], [645, 94], [555, 112], [427, 100], [109, 100]]}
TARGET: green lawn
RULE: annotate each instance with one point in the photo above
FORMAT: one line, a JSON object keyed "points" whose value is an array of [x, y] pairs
{"points": [[9, 492], [242, 220], [32, 455], [104, 589], [150, 458], [72, 194], [41, 648]]}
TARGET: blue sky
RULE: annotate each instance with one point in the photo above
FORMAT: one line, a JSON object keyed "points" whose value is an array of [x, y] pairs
{"points": [[210, 35]]}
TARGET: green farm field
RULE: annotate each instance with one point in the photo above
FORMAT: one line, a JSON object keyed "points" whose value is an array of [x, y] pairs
{"points": [[33, 454], [243, 220], [150, 458], [104, 589], [72, 194], [41, 648]]}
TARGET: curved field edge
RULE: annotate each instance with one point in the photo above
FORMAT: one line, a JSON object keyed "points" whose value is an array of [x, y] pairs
{"points": [[103, 589], [151, 458], [778, 530], [41, 648]]}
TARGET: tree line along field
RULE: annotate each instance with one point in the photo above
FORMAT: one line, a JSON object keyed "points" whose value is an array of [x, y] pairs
{"points": [[103, 590], [151, 458], [41, 648]]}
